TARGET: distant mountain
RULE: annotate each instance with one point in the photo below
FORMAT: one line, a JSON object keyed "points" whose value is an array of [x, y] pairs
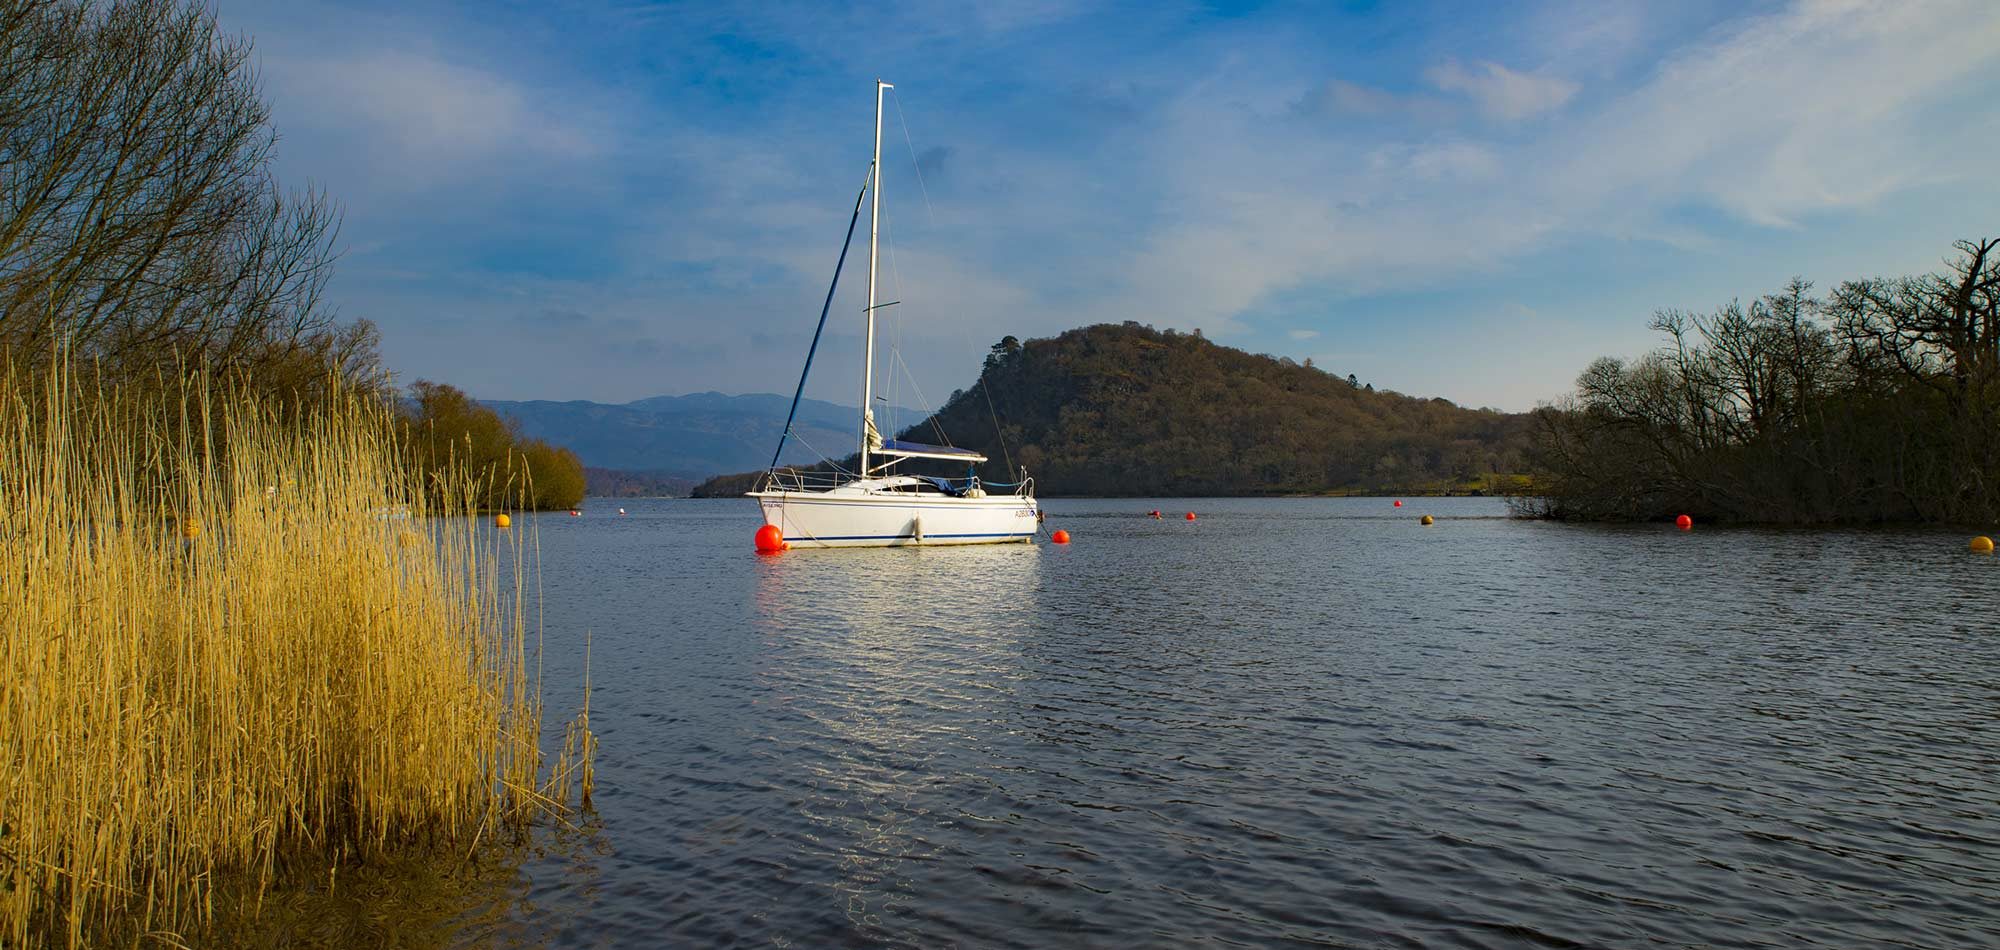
{"points": [[691, 436], [1124, 409]]}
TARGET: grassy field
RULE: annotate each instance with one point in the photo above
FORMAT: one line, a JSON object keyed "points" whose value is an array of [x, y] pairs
{"points": [[235, 639]]}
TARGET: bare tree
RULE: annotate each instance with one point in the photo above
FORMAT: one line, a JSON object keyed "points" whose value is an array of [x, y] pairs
{"points": [[1880, 403], [140, 223], [1941, 330]]}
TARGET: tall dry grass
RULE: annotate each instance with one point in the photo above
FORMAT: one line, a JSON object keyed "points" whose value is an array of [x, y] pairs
{"points": [[224, 650]]}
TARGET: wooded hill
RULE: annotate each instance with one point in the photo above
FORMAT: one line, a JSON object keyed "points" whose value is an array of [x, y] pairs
{"points": [[1124, 409]]}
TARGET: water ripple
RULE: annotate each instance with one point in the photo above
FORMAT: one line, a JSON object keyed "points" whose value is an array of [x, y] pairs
{"points": [[1293, 722]]}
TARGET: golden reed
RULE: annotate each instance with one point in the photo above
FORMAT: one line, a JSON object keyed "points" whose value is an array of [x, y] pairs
{"points": [[233, 639]]}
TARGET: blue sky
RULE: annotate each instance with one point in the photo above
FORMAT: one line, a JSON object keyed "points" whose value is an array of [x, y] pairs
{"points": [[611, 200]]}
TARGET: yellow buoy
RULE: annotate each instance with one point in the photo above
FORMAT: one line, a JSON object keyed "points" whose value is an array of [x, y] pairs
{"points": [[1426, 520], [502, 520], [1982, 545]]}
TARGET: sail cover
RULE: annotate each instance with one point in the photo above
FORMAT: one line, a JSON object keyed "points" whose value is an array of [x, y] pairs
{"points": [[922, 451]]}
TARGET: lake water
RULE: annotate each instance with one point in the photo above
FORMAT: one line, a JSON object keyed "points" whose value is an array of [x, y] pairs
{"points": [[1294, 721]]}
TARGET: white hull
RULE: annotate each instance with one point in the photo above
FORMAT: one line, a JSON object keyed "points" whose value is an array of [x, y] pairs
{"points": [[846, 519]]}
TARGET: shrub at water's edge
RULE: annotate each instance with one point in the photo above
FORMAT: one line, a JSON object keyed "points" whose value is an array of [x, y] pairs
{"points": [[445, 428], [1878, 403], [236, 637]]}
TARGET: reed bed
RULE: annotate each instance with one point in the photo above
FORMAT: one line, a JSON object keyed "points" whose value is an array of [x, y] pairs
{"points": [[237, 638]]}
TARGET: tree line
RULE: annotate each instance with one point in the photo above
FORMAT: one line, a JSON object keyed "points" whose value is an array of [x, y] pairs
{"points": [[1877, 402], [144, 235], [626, 483]]}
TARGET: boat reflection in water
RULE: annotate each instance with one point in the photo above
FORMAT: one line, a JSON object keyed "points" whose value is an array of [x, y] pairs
{"points": [[879, 671]]}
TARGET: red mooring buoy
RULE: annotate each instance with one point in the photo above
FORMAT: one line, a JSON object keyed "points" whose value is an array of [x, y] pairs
{"points": [[1190, 516], [1684, 522], [1399, 503], [770, 540], [1060, 537]]}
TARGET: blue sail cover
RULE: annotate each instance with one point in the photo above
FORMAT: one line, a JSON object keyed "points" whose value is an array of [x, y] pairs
{"points": [[953, 487], [899, 447]]}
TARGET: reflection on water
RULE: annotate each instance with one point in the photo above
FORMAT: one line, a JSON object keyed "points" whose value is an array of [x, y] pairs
{"points": [[1297, 721], [853, 646], [421, 899]]}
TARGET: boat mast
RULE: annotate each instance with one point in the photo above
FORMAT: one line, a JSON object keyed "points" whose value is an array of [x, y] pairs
{"points": [[874, 231]]}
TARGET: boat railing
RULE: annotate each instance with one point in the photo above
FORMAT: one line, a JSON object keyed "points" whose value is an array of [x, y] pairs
{"points": [[791, 479], [1024, 488]]}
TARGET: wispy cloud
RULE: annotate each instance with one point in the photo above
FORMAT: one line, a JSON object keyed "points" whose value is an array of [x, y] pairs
{"points": [[1754, 120], [1823, 105], [1436, 160], [1502, 93], [1336, 98], [423, 109]]}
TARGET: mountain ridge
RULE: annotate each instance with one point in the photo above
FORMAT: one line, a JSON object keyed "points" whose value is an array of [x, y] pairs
{"points": [[691, 436]]}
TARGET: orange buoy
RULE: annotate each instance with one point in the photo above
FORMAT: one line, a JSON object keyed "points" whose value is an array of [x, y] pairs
{"points": [[770, 540], [1060, 537], [1684, 522], [502, 520], [1399, 503], [1982, 545], [1190, 516]]}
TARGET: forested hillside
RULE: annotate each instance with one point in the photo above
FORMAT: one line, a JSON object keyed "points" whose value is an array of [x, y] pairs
{"points": [[1124, 409]]}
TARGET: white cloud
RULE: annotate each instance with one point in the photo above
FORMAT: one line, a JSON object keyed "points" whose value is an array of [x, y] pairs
{"points": [[1467, 161], [1501, 92], [1826, 105], [427, 117], [1814, 109], [1336, 98], [1590, 37], [1304, 334], [1204, 185]]}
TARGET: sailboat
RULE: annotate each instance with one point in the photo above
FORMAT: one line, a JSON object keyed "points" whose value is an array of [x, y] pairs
{"points": [[875, 505]]}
